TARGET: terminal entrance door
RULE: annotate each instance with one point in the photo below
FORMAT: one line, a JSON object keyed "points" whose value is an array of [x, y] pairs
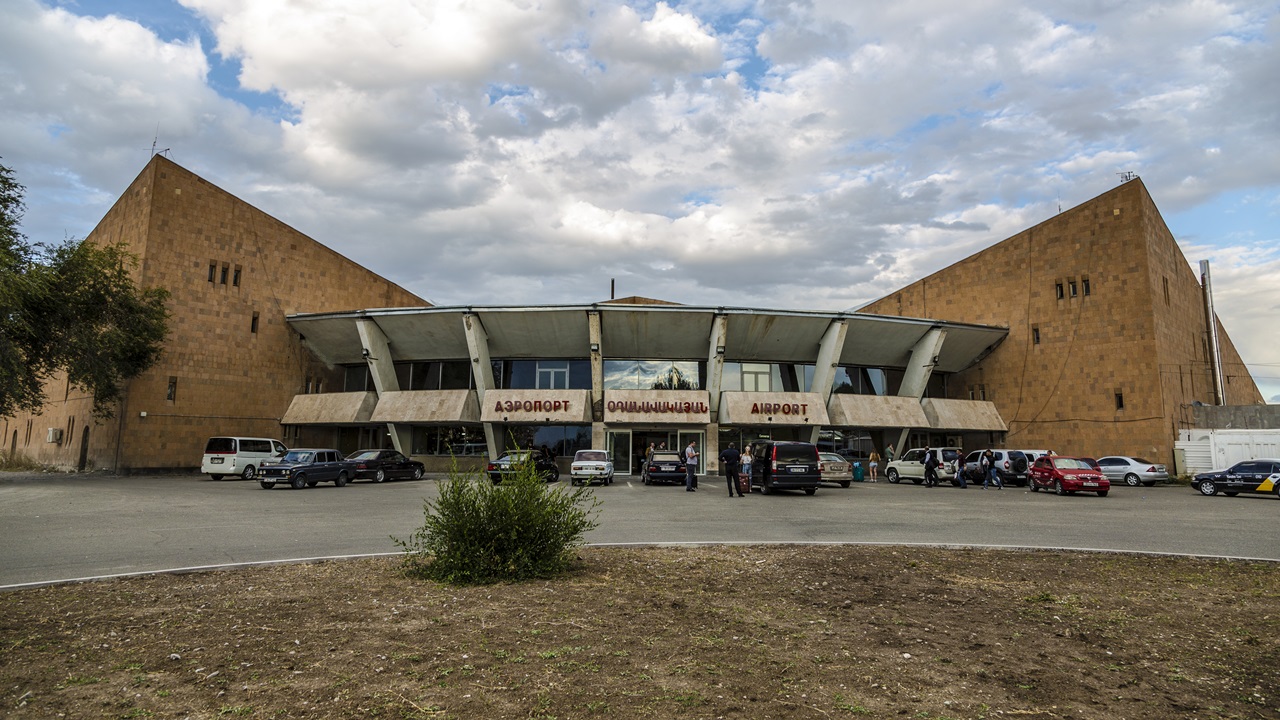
{"points": [[619, 448], [683, 442]]}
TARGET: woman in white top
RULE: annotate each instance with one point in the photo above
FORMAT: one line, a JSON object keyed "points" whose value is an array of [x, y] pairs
{"points": [[745, 462]]}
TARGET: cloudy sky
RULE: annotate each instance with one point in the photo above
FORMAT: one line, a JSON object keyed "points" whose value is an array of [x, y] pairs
{"points": [[801, 154]]}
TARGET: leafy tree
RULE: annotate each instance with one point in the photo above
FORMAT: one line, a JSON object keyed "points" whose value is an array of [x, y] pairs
{"points": [[72, 307]]}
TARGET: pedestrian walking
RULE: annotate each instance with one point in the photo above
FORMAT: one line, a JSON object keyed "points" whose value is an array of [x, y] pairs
{"points": [[990, 474], [930, 468], [731, 457], [745, 463], [873, 462], [960, 468], [691, 466]]}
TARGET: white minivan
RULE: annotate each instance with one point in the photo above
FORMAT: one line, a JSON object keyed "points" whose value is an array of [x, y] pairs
{"points": [[238, 455]]}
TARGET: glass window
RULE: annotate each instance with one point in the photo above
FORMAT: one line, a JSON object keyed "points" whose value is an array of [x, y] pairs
{"points": [[561, 440], [755, 377], [357, 379], [552, 375], [455, 375], [653, 375], [446, 440]]}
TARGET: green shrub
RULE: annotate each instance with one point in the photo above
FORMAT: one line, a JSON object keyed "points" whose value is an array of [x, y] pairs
{"points": [[479, 532]]}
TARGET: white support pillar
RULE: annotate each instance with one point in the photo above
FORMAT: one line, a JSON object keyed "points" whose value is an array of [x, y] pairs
{"points": [[715, 373], [824, 370], [924, 356], [597, 367], [481, 370], [376, 349]]}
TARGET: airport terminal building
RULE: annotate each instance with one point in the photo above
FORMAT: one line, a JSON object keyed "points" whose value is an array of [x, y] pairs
{"points": [[1085, 334]]}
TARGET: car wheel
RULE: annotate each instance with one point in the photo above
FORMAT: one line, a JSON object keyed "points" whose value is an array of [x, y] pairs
{"points": [[844, 483], [247, 473], [892, 476], [917, 481], [379, 475], [1057, 488], [1207, 487], [554, 476], [297, 482], [810, 491], [1102, 493], [215, 477], [1132, 480], [266, 484], [342, 479], [417, 473]]}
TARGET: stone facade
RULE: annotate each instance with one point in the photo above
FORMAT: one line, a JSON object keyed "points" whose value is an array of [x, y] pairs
{"points": [[231, 364], [1107, 340]]}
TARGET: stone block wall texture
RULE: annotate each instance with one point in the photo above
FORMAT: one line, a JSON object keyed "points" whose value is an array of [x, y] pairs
{"points": [[1139, 331], [228, 379]]}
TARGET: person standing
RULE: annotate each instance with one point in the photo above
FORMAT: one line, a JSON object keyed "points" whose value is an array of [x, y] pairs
{"points": [[888, 453], [930, 468], [691, 466], [990, 474], [745, 461], [873, 462], [731, 457], [960, 468]]}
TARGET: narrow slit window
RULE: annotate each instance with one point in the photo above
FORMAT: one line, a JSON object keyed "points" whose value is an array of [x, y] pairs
{"points": [[213, 271], [172, 393], [1119, 401], [1035, 336], [1084, 285], [1074, 289], [253, 324], [1060, 292], [235, 277], [222, 278]]}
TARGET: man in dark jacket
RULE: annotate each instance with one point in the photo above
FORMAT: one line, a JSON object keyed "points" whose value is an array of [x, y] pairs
{"points": [[731, 457], [930, 467]]}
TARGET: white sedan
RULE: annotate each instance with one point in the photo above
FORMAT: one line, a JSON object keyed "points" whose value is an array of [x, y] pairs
{"points": [[591, 466]]}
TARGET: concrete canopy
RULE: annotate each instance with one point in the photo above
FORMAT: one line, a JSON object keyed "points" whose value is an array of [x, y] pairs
{"points": [[680, 332]]}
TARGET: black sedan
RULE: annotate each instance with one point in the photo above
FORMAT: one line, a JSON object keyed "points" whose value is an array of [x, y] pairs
{"points": [[663, 466], [508, 462], [379, 465], [1249, 476]]}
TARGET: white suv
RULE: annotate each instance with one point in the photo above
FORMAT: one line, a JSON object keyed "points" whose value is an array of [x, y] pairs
{"points": [[911, 466]]}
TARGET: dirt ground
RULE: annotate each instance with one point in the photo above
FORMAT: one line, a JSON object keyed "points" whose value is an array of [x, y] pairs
{"points": [[715, 632]]}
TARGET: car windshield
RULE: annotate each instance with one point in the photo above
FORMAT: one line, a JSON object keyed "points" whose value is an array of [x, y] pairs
{"points": [[950, 455], [831, 457], [795, 453], [515, 457], [666, 457], [366, 455], [1072, 464], [590, 456], [293, 456]]}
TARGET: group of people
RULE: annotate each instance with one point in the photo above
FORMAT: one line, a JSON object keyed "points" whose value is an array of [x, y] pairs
{"points": [[736, 464], [986, 465]]}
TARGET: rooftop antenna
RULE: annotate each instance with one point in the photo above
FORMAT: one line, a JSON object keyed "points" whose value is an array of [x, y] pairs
{"points": [[1126, 176], [155, 140], [611, 287]]}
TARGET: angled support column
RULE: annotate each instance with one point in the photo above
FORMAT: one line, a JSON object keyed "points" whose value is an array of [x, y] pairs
{"points": [[377, 355], [481, 370], [715, 372], [924, 356], [597, 379], [824, 370]]}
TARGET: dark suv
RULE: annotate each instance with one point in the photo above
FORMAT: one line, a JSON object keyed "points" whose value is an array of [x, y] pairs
{"points": [[1013, 467], [781, 465]]}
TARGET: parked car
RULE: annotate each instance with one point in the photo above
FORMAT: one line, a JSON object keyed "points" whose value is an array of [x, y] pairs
{"points": [[785, 465], [1012, 466], [835, 469], [506, 464], [380, 465], [1067, 475], [1132, 471], [591, 466], [663, 466], [1250, 476], [307, 467], [911, 466], [241, 456]]}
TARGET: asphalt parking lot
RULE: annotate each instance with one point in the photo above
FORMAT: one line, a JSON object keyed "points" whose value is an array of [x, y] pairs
{"points": [[62, 527]]}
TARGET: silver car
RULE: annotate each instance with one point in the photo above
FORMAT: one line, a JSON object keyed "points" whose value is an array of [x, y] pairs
{"points": [[835, 469], [1132, 471]]}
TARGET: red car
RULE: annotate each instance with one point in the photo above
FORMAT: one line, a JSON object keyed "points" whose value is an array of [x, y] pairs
{"points": [[1066, 475]]}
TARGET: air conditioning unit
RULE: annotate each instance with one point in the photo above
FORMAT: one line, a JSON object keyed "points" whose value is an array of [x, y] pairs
{"points": [[54, 436]]}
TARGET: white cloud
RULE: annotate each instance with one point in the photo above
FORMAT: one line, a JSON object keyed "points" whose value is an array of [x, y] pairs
{"points": [[802, 154]]}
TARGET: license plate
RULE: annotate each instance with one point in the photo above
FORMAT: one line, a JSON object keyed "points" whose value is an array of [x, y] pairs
{"points": [[799, 469], [215, 461], [668, 468], [1091, 484]]}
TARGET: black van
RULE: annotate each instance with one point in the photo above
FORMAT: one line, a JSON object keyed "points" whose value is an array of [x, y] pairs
{"points": [[782, 465]]}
